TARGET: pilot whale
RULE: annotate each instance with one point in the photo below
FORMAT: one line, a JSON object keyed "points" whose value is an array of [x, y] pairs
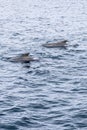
{"points": [[23, 58], [55, 45]]}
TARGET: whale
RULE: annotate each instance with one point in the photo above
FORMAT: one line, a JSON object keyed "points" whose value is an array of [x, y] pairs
{"points": [[23, 58], [57, 44]]}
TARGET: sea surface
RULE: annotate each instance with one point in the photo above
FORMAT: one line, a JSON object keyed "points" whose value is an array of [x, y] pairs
{"points": [[49, 94]]}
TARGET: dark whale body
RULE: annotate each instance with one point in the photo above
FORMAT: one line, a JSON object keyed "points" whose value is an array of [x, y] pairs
{"points": [[23, 58], [55, 45]]}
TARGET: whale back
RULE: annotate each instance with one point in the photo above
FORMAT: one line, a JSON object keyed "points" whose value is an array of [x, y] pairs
{"points": [[23, 58], [57, 44]]}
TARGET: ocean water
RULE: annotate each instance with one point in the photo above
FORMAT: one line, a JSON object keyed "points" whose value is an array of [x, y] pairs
{"points": [[50, 94]]}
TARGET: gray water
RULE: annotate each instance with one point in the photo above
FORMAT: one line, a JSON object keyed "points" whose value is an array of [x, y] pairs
{"points": [[50, 94]]}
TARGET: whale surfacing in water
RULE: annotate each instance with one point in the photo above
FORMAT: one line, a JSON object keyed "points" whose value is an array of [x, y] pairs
{"points": [[23, 58], [55, 45]]}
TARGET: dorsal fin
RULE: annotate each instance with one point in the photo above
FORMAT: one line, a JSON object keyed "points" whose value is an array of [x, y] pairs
{"points": [[25, 54], [64, 41]]}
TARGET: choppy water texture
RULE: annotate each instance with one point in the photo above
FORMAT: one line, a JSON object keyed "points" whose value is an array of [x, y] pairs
{"points": [[50, 94]]}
